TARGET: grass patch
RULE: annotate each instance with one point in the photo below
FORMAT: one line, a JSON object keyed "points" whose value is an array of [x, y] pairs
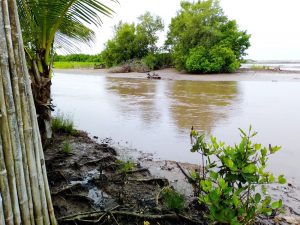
{"points": [[74, 65], [172, 199], [260, 67], [125, 166], [66, 147], [63, 124]]}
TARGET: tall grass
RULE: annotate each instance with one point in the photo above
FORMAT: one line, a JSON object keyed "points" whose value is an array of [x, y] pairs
{"points": [[62, 123]]}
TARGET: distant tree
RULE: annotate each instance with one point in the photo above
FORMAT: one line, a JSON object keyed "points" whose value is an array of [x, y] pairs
{"points": [[133, 41], [202, 39]]}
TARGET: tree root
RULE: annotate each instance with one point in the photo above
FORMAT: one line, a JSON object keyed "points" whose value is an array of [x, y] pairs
{"points": [[135, 171], [87, 217], [162, 182], [68, 188], [93, 162]]}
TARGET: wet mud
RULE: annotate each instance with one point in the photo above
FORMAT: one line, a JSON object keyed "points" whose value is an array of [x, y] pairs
{"points": [[90, 185]]}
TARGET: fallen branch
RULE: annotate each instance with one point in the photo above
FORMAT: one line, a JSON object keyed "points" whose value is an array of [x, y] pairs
{"points": [[135, 171], [185, 173], [101, 214], [96, 161], [162, 182], [68, 188]]}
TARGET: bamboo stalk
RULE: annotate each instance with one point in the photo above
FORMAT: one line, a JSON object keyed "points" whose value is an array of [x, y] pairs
{"points": [[4, 187], [36, 134], [23, 177], [4, 128], [12, 99], [2, 218]]}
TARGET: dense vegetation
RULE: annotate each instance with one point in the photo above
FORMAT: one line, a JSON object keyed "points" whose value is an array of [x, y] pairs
{"points": [[133, 41], [203, 40]]}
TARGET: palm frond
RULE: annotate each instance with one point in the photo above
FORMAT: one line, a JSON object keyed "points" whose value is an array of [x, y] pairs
{"points": [[43, 20]]}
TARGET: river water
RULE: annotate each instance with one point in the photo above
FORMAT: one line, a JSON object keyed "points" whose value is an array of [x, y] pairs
{"points": [[155, 116]]}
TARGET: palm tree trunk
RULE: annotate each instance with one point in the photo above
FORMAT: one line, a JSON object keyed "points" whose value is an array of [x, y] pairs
{"points": [[41, 88], [25, 196]]}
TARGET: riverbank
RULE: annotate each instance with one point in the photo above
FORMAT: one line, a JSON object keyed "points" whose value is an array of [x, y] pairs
{"points": [[89, 183], [172, 74]]}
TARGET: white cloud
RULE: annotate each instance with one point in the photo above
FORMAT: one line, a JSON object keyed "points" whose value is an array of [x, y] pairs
{"points": [[273, 24]]}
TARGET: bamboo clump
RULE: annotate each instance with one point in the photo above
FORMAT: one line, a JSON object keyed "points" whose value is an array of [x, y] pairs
{"points": [[24, 192]]}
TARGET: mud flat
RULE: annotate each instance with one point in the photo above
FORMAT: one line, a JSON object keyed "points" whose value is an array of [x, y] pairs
{"points": [[88, 186], [172, 74]]}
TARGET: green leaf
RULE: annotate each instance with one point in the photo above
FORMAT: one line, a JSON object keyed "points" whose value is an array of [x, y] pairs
{"points": [[235, 200], [281, 179], [263, 152], [257, 198], [277, 205], [274, 149], [251, 168], [257, 147], [206, 185], [222, 183], [242, 132], [214, 175]]}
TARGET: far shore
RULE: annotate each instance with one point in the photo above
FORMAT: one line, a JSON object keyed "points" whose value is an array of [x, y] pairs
{"points": [[172, 74]]}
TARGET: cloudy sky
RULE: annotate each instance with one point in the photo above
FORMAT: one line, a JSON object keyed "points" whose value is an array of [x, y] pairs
{"points": [[273, 24]]}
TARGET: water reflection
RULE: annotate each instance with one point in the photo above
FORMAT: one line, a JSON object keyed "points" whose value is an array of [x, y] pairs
{"points": [[185, 103], [202, 105]]}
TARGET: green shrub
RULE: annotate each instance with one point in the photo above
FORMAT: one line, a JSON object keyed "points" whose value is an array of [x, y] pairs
{"points": [[232, 175], [172, 199], [66, 147], [63, 124], [215, 60]]}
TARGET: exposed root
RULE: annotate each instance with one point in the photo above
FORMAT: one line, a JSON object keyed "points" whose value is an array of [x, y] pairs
{"points": [[101, 214]]}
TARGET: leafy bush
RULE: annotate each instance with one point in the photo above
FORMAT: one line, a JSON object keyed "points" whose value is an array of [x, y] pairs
{"points": [[232, 175], [158, 61], [172, 199], [216, 60], [63, 124]]}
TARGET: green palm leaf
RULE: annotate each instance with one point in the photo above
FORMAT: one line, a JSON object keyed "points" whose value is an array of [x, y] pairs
{"points": [[48, 23]]}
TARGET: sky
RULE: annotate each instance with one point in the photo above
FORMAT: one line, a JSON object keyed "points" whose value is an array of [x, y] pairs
{"points": [[273, 24]]}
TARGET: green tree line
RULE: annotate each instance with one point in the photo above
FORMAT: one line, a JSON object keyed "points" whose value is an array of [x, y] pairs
{"points": [[200, 39]]}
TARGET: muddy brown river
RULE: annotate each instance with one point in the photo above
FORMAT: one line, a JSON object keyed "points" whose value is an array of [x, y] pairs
{"points": [[155, 116]]}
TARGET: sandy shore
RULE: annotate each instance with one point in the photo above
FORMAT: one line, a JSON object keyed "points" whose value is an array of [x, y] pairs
{"points": [[172, 74]]}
